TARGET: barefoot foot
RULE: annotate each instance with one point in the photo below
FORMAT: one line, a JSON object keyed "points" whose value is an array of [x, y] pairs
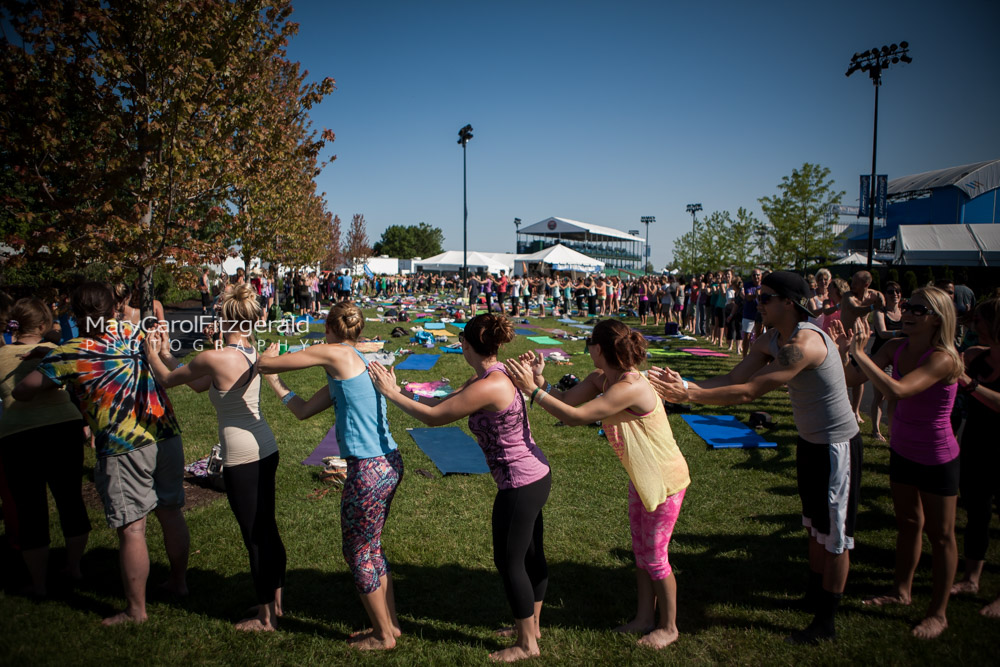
{"points": [[965, 587], [510, 631], [370, 642], [123, 617], [883, 600], [254, 625], [513, 654], [930, 628], [878, 437], [659, 638], [396, 632], [636, 625], [992, 610]]}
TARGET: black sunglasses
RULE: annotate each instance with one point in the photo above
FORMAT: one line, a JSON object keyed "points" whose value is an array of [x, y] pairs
{"points": [[893, 291], [764, 297], [589, 341], [916, 308], [461, 336]]}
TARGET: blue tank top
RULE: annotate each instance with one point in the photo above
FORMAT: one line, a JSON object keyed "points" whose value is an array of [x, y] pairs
{"points": [[362, 428]]}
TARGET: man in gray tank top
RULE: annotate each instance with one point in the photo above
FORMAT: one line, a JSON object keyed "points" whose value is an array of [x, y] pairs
{"points": [[795, 353]]}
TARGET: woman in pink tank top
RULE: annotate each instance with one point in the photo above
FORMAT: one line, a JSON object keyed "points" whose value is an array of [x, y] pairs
{"points": [[923, 463], [498, 419]]}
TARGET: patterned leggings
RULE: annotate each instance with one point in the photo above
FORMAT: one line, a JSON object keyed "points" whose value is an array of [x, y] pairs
{"points": [[364, 507], [651, 532]]}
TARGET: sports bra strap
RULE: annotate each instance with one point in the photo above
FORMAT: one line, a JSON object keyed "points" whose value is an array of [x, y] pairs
{"points": [[358, 352]]}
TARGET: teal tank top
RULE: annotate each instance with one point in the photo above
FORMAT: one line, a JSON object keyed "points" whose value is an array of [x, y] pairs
{"points": [[362, 428]]}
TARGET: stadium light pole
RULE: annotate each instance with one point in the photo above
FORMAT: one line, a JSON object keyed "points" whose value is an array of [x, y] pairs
{"points": [[517, 231], [646, 219], [873, 62], [693, 210], [464, 136]]}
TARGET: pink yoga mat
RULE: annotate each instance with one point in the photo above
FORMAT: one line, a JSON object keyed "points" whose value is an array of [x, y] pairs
{"points": [[702, 352]]}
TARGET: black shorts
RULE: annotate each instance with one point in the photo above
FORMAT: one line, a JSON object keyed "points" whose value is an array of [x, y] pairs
{"points": [[829, 480], [643, 307], [941, 479], [719, 316], [206, 300]]}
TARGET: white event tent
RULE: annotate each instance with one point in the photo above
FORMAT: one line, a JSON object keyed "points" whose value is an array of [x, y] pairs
{"points": [[954, 245], [452, 260], [558, 258]]}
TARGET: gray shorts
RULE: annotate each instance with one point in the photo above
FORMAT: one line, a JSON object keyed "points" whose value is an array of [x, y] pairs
{"points": [[748, 325], [134, 484]]}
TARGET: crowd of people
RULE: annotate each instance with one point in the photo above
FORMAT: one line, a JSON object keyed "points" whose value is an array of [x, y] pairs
{"points": [[817, 336]]}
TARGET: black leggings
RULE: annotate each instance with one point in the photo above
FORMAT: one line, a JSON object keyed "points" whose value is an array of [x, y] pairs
{"points": [[980, 487], [50, 455], [250, 488], [518, 551]]}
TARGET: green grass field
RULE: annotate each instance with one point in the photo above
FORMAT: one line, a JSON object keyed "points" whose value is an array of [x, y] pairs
{"points": [[738, 551]]}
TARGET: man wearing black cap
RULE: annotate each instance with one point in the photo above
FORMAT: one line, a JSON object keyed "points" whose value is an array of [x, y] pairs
{"points": [[795, 353]]}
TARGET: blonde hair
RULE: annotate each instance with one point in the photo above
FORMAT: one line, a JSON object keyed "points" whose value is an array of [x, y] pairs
{"points": [[345, 321], [241, 305], [824, 272], [841, 285], [944, 338]]}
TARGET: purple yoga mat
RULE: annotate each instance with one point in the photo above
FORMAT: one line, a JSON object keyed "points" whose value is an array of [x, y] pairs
{"points": [[327, 447]]}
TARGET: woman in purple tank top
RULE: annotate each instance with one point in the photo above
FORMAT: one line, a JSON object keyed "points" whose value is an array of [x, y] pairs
{"points": [[923, 463], [498, 419]]}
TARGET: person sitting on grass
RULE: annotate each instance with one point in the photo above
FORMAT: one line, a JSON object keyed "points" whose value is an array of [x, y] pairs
{"points": [[249, 450], [636, 424], [374, 465], [980, 484], [499, 420], [795, 353], [140, 456], [923, 461]]}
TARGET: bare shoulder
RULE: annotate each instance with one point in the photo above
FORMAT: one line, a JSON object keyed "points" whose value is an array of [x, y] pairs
{"points": [[805, 345]]}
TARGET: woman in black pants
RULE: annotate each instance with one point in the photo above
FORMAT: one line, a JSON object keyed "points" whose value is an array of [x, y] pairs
{"points": [[980, 483], [41, 443], [498, 419]]}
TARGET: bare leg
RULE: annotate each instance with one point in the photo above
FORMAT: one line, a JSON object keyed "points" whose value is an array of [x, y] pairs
{"points": [[645, 614], [177, 541], [910, 524], [526, 645], [512, 631], [37, 562], [856, 394], [390, 603], [381, 637], [134, 560], [876, 414], [665, 632], [940, 513], [970, 583], [266, 619]]}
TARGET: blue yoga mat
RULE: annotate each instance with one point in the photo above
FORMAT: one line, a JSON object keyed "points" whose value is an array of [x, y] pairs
{"points": [[726, 432], [525, 332], [418, 362], [451, 449], [434, 325], [458, 325]]}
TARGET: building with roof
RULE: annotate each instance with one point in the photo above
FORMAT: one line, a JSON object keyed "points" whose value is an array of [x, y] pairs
{"points": [[966, 195], [617, 249]]}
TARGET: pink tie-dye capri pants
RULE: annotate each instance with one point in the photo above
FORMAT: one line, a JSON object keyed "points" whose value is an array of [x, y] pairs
{"points": [[651, 532]]}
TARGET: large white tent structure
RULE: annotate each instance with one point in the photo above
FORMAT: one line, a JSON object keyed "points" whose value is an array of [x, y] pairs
{"points": [[452, 260], [557, 258], [952, 245]]}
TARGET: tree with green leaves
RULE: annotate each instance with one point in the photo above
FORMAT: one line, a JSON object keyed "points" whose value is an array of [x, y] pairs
{"points": [[120, 121], [800, 234], [420, 240]]}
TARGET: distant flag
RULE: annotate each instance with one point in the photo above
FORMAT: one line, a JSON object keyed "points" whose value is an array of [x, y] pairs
{"points": [[368, 272]]}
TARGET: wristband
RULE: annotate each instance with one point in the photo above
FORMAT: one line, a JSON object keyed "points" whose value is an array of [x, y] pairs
{"points": [[288, 397], [548, 388], [531, 402], [685, 383]]}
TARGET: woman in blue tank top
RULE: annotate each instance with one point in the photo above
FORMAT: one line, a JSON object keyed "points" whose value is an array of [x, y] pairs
{"points": [[374, 466]]}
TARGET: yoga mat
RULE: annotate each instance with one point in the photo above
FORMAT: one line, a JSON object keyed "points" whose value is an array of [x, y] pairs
{"points": [[543, 340], [458, 325], [437, 389], [566, 320], [451, 449], [315, 334], [370, 345], [327, 447], [654, 353], [444, 332], [726, 432], [549, 351], [454, 349], [702, 352], [524, 332], [434, 325], [418, 362], [587, 327]]}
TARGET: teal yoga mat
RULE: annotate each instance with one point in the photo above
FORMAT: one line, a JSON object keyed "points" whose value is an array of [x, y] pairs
{"points": [[544, 340], [434, 325], [726, 432], [451, 450]]}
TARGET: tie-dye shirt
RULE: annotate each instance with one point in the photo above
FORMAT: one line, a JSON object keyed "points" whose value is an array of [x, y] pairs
{"points": [[112, 384]]}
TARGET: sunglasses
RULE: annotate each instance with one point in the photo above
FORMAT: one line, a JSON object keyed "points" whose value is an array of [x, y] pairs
{"points": [[893, 291], [916, 308], [461, 336], [590, 341], [764, 297]]}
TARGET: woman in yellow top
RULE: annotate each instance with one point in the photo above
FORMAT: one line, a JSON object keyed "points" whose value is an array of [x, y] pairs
{"points": [[636, 424], [50, 427]]}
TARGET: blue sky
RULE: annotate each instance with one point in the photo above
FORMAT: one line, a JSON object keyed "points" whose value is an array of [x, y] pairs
{"points": [[608, 111]]}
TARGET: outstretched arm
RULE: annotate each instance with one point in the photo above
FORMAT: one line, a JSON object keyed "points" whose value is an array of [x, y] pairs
{"points": [[302, 409], [474, 396]]}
